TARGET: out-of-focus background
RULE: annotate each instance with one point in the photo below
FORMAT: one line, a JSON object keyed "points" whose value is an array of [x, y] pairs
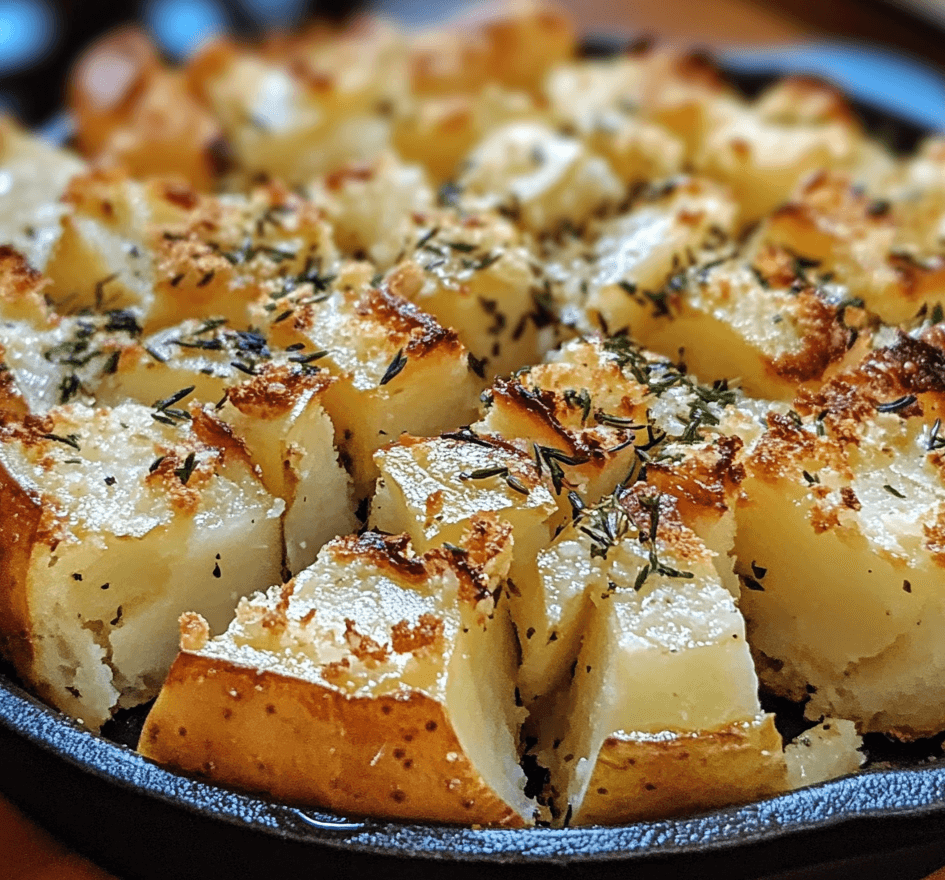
{"points": [[39, 39]]}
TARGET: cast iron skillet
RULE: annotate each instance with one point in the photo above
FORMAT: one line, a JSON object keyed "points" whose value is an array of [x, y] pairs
{"points": [[141, 821]]}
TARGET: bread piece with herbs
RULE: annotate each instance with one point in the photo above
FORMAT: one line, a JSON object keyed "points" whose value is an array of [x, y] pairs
{"points": [[659, 714], [377, 682], [34, 175], [397, 368], [542, 178], [169, 253], [771, 320], [477, 273], [89, 494], [839, 543], [612, 276]]}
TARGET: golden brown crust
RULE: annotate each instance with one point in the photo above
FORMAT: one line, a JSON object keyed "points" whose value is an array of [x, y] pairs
{"points": [[184, 496], [22, 288], [705, 480], [307, 744], [406, 320], [275, 390], [646, 504], [641, 778], [909, 368], [19, 527], [512, 44], [806, 98]]}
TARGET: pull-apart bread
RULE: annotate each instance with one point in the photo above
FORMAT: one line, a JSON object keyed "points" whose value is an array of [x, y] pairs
{"points": [[483, 422]]}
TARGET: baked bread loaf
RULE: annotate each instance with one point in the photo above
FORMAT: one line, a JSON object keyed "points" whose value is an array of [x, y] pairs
{"points": [[536, 406]]}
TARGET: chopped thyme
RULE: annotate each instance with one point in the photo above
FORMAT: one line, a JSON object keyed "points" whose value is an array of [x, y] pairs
{"points": [[69, 387], [110, 367], [156, 464], [395, 367], [158, 357], [308, 358], [580, 399], [122, 321], [893, 491], [467, 435], [576, 502], [810, 478], [69, 440], [897, 404], [614, 421], [185, 471], [461, 247], [425, 238], [243, 368], [763, 282], [484, 473], [483, 262], [209, 325], [100, 289], [477, 365], [935, 442], [516, 484], [176, 397]]}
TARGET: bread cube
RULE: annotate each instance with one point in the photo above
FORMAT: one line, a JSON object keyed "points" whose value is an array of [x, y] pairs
{"points": [[170, 254], [617, 280], [540, 177], [683, 95], [270, 403], [827, 750], [839, 544], [89, 494], [439, 131], [371, 206], [431, 489], [842, 232], [763, 317], [377, 682], [30, 207], [580, 413], [67, 361], [764, 152], [131, 109], [660, 713], [398, 369], [279, 416], [514, 44], [477, 274], [315, 108], [587, 100]]}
